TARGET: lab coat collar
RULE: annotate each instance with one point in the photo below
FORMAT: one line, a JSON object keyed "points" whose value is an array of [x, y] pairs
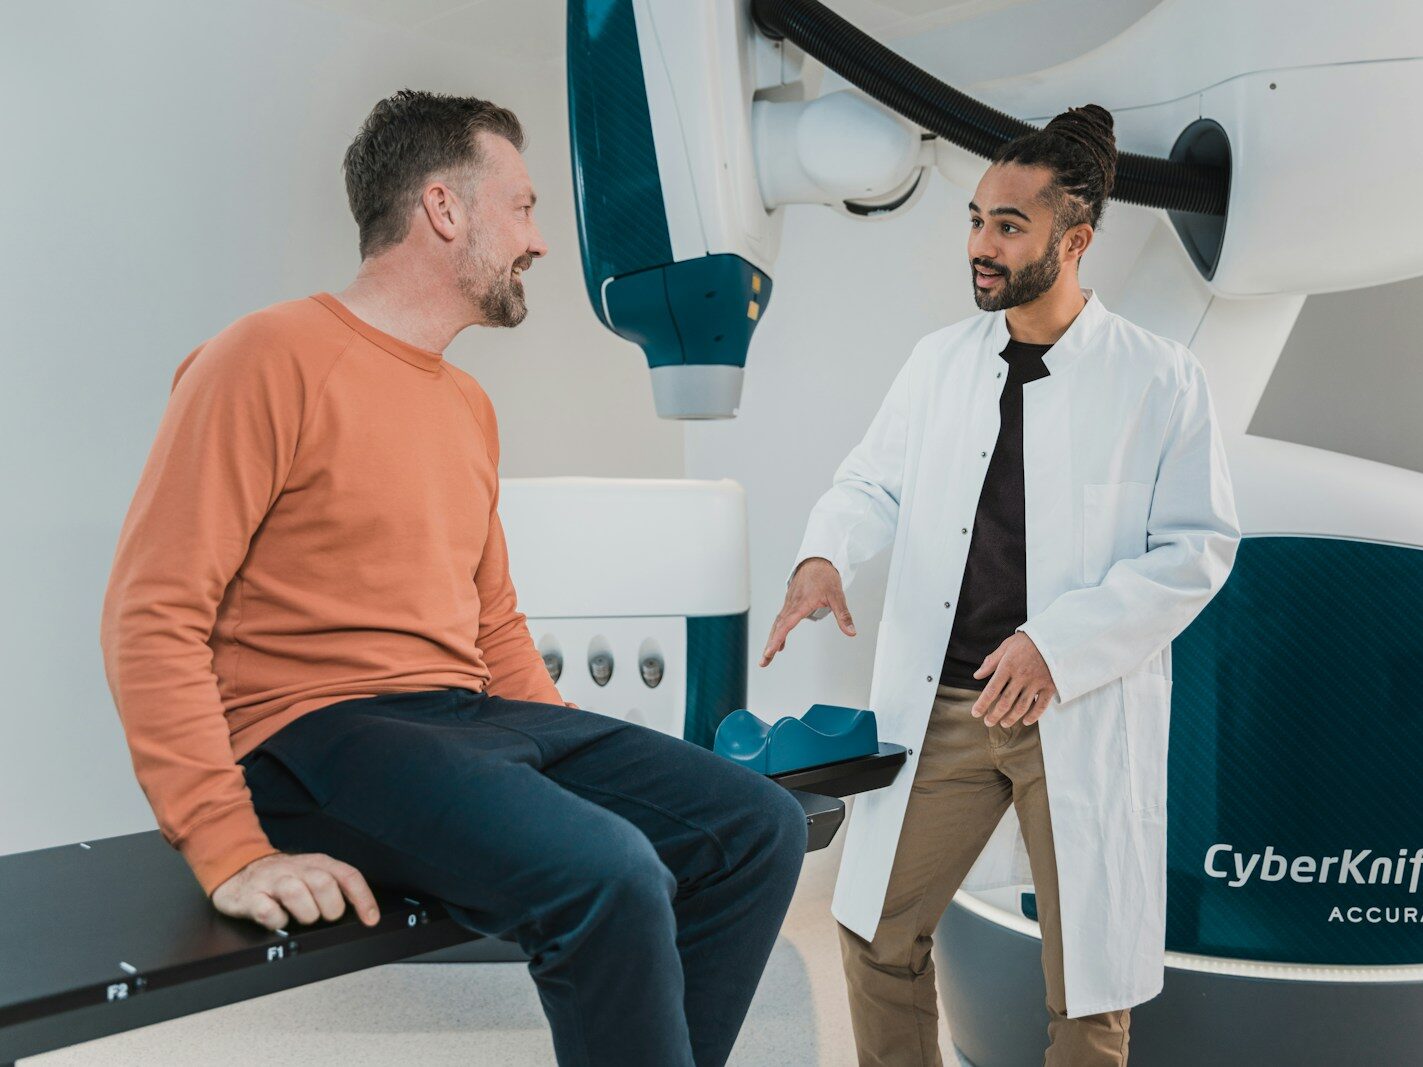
{"points": [[1070, 345]]}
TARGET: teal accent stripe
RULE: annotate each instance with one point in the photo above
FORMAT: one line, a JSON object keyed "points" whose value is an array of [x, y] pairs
{"points": [[716, 673], [622, 221]]}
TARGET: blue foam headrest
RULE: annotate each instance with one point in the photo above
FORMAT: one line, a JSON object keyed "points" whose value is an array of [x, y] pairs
{"points": [[826, 733]]}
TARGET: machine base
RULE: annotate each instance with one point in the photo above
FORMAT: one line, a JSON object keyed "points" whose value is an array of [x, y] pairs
{"points": [[991, 986]]}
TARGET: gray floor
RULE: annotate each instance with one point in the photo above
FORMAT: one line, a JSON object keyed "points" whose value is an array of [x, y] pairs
{"points": [[474, 1014]]}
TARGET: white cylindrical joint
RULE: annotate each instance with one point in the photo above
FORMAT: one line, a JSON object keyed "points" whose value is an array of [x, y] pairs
{"points": [[834, 148]]}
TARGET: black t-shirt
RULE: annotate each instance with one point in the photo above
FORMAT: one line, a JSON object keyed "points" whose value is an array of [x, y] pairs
{"points": [[993, 600]]}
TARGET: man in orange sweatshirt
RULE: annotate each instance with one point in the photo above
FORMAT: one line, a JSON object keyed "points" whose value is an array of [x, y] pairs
{"points": [[314, 645]]}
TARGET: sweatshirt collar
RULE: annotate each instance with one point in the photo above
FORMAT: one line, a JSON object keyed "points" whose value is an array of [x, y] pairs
{"points": [[402, 350], [1070, 345]]}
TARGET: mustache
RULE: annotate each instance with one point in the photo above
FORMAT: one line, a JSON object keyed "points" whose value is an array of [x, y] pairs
{"points": [[988, 264], [523, 263]]}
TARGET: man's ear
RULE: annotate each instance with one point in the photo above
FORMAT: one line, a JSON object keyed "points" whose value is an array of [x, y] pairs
{"points": [[442, 209], [1079, 238]]}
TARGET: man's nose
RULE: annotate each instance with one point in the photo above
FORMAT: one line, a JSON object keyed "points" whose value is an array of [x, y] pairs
{"points": [[981, 248], [537, 247]]}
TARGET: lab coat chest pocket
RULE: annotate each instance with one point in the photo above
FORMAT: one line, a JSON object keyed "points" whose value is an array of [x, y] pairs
{"points": [[1114, 518], [1146, 701]]}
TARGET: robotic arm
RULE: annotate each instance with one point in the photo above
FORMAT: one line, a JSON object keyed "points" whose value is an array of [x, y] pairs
{"points": [[693, 122]]}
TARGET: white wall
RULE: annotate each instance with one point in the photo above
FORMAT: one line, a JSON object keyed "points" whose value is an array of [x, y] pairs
{"points": [[1349, 378], [167, 167]]}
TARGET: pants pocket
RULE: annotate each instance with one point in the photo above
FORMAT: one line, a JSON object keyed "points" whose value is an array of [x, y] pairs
{"points": [[279, 786], [1146, 701]]}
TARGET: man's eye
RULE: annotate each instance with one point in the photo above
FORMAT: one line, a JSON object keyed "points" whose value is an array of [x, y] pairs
{"points": [[1009, 226]]}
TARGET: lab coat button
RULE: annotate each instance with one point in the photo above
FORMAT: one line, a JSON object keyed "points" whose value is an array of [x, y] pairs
{"points": [[965, 529], [928, 677], [946, 603]]}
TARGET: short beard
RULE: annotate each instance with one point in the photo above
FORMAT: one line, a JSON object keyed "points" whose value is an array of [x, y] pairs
{"points": [[1024, 284], [493, 289]]}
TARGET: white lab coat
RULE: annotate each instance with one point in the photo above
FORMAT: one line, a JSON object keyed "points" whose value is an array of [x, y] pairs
{"points": [[1130, 530]]}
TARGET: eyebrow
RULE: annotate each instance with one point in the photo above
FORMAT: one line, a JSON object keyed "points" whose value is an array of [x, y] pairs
{"points": [[1000, 211]]}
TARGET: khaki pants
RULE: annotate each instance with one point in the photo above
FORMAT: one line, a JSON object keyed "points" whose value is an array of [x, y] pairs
{"points": [[967, 776]]}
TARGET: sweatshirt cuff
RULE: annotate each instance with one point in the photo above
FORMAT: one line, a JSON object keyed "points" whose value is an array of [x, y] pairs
{"points": [[219, 847]]}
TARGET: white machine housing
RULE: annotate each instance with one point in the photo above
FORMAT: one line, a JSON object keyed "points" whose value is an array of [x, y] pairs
{"points": [[1322, 115], [616, 566]]}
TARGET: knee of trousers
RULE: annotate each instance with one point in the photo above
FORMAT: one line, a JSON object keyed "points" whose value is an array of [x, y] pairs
{"points": [[775, 821], [620, 890], [905, 956], [620, 872]]}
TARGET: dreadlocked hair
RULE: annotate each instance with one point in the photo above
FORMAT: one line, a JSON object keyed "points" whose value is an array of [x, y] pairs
{"points": [[1080, 150]]}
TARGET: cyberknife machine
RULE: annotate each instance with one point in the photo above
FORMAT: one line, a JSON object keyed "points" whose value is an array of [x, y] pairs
{"points": [[1262, 138]]}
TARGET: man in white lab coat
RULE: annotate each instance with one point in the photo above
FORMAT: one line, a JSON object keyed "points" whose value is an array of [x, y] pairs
{"points": [[1055, 488]]}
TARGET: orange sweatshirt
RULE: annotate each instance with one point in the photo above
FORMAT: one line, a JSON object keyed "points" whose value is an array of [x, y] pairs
{"points": [[316, 522]]}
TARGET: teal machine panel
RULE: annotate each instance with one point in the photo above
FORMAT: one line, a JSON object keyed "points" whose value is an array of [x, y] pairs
{"points": [[622, 222], [1296, 800], [716, 673], [1295, 826]]}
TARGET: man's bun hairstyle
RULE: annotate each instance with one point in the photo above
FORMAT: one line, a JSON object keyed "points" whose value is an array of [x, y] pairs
{"points": [[1080, 149]]}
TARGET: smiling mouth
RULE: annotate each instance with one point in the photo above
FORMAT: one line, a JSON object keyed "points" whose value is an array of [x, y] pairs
{"points": [[985, 279]]}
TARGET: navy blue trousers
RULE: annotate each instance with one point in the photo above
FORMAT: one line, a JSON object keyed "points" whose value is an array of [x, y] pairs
{"points": [[646, 878]]}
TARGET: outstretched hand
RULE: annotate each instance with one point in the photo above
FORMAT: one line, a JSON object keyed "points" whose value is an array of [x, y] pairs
{"points": [[815, 590]]}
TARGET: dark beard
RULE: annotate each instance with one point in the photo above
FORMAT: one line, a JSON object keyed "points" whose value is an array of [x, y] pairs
{"points": [[501, 299], [503, 303], [1022, 285]]}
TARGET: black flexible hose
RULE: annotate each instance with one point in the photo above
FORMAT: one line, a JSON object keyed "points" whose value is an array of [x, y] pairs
{"points": [[926, 101]]}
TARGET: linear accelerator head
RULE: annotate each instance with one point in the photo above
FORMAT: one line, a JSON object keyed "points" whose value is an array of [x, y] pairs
{"points": [[689, 129]]}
